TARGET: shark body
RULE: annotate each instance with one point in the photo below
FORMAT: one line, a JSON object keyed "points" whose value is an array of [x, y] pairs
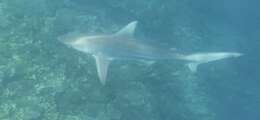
{"points": [[122, 45]]}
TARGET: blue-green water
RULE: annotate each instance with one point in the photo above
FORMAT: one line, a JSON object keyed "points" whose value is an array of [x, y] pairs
{"points": [[41, 79]]}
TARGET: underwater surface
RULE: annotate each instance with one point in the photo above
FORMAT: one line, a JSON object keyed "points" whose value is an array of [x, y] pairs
{"points": [[42, 79]]}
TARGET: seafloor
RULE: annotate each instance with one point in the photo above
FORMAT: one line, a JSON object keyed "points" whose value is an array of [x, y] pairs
{"points": [[41, 79]]}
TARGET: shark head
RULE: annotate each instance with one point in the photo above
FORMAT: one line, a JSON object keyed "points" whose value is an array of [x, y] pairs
{"points": [[80, 42], [70, 38], [95, 44]]}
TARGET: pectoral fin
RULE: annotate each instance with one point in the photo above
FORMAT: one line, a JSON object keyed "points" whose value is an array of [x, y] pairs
{"points": [[102, 63]]}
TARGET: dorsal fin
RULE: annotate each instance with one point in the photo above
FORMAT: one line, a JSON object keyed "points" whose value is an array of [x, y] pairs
{"points": [[128, 30], [102, 63]]}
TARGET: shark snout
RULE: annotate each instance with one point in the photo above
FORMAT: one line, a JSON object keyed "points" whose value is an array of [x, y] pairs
{"points": [[64, 40], [69, 38]]}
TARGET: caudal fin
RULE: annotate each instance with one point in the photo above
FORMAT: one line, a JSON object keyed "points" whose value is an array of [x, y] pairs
{"points": [[193, 66], [201, 58]]}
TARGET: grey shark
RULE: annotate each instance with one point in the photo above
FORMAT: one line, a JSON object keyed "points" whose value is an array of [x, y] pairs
{"points": [[123, 45]]}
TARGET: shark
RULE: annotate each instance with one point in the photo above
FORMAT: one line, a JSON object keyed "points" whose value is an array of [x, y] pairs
{"points": [[122, 45]]}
